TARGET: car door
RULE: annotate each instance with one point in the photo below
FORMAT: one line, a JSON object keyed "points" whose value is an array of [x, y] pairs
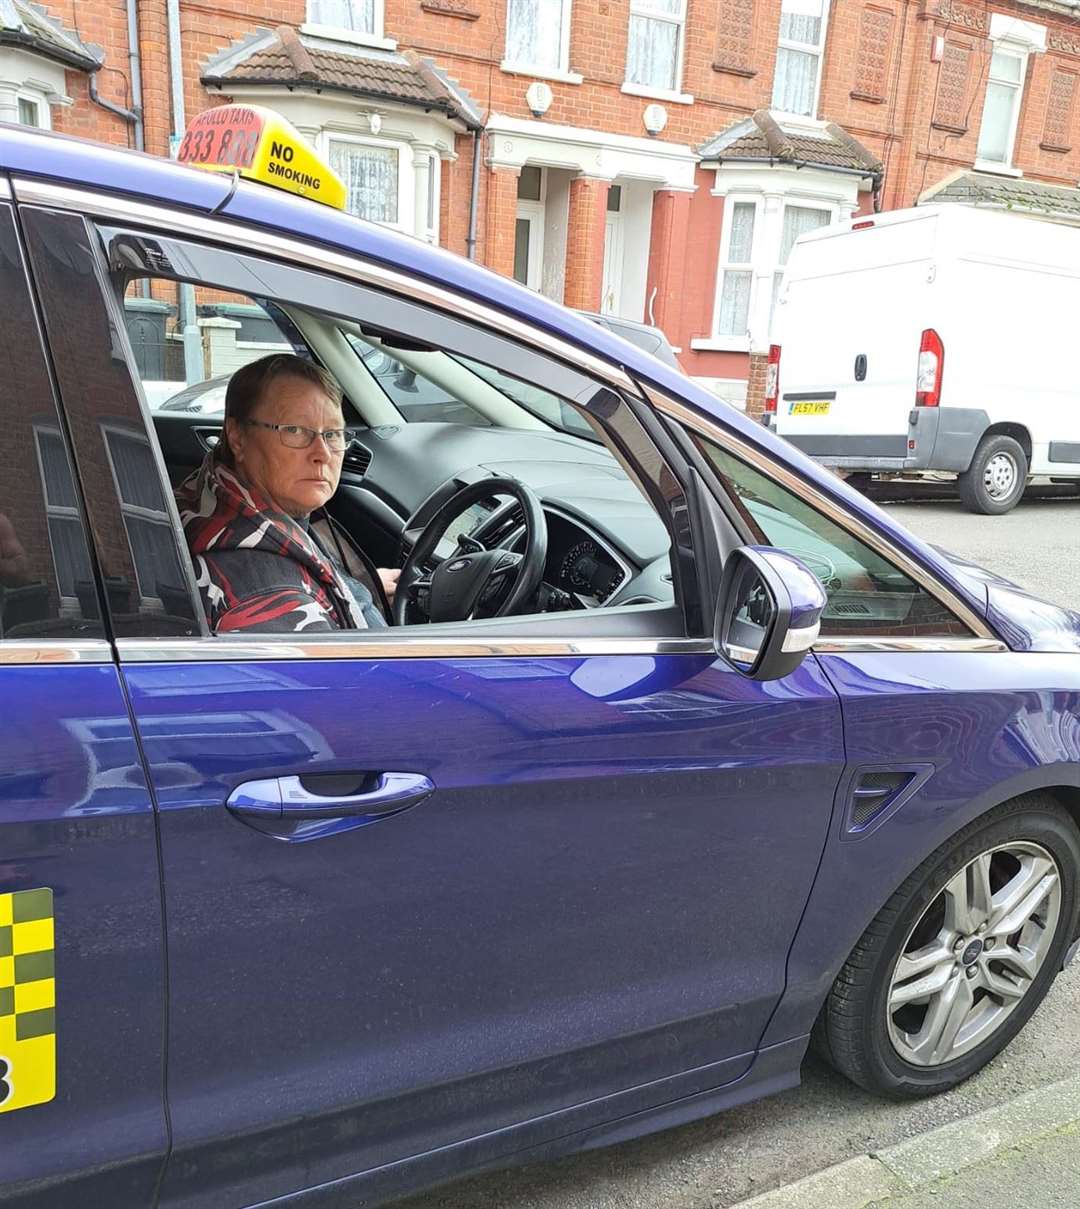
{"points": [[82, 1117], [584, 913]]}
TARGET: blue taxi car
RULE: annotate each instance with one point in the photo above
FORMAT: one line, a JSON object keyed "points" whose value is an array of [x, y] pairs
{"points": [[321, 920]]}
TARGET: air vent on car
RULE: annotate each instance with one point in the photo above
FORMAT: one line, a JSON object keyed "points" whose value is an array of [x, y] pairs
{"points": [[357, 459], [872, 793], [849, 608]]}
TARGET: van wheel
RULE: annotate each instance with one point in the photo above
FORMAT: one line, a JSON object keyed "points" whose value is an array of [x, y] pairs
{"points": [[996, 479], [961, 955]]}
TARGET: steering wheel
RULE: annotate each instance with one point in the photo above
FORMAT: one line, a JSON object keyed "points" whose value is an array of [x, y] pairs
{"points": [[474, 581]]}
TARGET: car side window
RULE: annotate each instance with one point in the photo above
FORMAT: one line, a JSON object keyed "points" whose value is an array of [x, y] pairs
{"points": [[867, 595], [47, 588], [147, 580]]}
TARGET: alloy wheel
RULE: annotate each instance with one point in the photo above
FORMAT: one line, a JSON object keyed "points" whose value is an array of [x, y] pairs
{"points": [[974, 953]]}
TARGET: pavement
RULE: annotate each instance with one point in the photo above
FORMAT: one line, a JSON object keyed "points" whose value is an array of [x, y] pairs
{"points": [[1026, 1151]]}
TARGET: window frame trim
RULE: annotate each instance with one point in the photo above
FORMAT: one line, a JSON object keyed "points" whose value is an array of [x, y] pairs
{"points": [[675, 92], [406, 189], [982, 636], [804, 48], [1019, 87], [736, 341]]}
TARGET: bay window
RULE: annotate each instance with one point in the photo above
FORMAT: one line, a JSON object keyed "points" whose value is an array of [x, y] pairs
{"points": [[799, 54], [374, 179], [655, 44]]}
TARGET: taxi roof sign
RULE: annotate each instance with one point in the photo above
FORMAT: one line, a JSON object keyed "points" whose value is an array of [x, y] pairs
{"points": [[262, 146]]}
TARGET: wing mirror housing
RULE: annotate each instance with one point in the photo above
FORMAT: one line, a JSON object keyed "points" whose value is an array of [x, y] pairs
{"points": [[769, 612]]}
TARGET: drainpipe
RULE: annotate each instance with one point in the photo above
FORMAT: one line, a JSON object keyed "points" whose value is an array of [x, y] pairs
{"points": [[131, 116], [474, 196], [135, 71], [193, 358]]}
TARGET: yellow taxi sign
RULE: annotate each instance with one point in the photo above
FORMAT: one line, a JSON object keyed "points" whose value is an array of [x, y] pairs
{"points": [[261, 146]]}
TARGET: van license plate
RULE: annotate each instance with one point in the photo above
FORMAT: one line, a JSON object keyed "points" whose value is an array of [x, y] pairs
{"points": [[810, 409]]}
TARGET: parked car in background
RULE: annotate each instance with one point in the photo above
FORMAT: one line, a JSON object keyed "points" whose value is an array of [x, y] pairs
{"points": [[934, 339]]}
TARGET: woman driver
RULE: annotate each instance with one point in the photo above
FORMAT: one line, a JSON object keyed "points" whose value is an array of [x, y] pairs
{"points": [[259, 563]]}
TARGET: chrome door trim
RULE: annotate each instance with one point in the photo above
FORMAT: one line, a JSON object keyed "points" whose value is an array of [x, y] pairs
{"points": [[842, 644], [259, 648], [821, 503], [76, 650], [252, 239]]}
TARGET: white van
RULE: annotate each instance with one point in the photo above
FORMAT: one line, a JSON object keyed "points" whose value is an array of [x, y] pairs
{"points": [[941, 338]]}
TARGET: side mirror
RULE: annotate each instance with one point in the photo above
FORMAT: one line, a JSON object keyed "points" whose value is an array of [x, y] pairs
{"points": [[769, 612]]}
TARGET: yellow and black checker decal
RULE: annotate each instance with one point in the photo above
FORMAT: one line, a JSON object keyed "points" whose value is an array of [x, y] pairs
{"points": [[27, 999]]}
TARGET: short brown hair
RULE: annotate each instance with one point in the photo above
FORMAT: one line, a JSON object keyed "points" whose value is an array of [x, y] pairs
{"points": [[247, 385]]}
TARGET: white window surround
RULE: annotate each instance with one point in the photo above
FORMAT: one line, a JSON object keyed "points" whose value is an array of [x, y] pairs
{"points": [[658, 94], [41, 105], [806, 48], [339, 33], [750, 265], [331, 33], [409, 219], [1016, 40], [544, 71], [541, 73], [773, 190], [654, 11]]}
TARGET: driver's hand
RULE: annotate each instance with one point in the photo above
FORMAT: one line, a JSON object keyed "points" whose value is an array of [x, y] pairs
{"points": [[388, 577]]}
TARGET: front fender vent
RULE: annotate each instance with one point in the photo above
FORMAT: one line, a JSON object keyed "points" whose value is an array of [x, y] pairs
{"points": [[872, 793]]}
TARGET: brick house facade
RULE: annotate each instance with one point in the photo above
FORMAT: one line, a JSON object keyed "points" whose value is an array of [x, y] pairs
{"points": [[650, 158]]}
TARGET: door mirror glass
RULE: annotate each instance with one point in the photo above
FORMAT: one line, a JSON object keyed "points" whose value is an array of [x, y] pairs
{"points": [[769, 612]]}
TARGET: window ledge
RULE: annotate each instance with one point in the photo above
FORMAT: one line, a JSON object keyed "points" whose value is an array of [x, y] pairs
{"points": [[657, 94], [996, 169], [721, 344], [334, 33], [541, 73]]}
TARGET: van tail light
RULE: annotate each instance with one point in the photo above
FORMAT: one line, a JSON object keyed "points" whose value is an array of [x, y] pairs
{"points": [[931, 366], [772, 378]]}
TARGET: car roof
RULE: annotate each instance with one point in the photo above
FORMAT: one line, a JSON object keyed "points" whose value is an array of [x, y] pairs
{"points": [[45, 155]]}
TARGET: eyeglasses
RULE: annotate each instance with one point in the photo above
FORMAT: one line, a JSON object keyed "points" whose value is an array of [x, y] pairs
{"points": [[296, 436]]}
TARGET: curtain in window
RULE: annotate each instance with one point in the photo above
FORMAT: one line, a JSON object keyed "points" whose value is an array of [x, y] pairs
{"points": [[741, 244], [69, 553], [371, 179], [735, 289], [795, 82], [797, 221], [534, 32], [996, 123], [358, 15], [735, 303], [652, 53], [59, 484]]}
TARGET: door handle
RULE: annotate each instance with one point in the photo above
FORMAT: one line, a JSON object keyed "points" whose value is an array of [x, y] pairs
{"points": [[299, 797]]}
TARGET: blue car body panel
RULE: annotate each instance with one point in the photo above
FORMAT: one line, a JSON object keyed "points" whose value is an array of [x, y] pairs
{"points": [[76, 816], [556, 924], [987, 727]]}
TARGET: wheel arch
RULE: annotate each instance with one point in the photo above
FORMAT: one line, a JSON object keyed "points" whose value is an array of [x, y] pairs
{"points": [[1018, 432], [799, 1007]]}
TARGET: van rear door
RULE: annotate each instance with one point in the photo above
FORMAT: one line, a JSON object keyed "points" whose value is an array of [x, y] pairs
{"points": [[852, 311]]}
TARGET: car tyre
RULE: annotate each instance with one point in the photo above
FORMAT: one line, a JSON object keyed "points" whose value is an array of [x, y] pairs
{"points": [[996, 478], [861, 1030]]}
